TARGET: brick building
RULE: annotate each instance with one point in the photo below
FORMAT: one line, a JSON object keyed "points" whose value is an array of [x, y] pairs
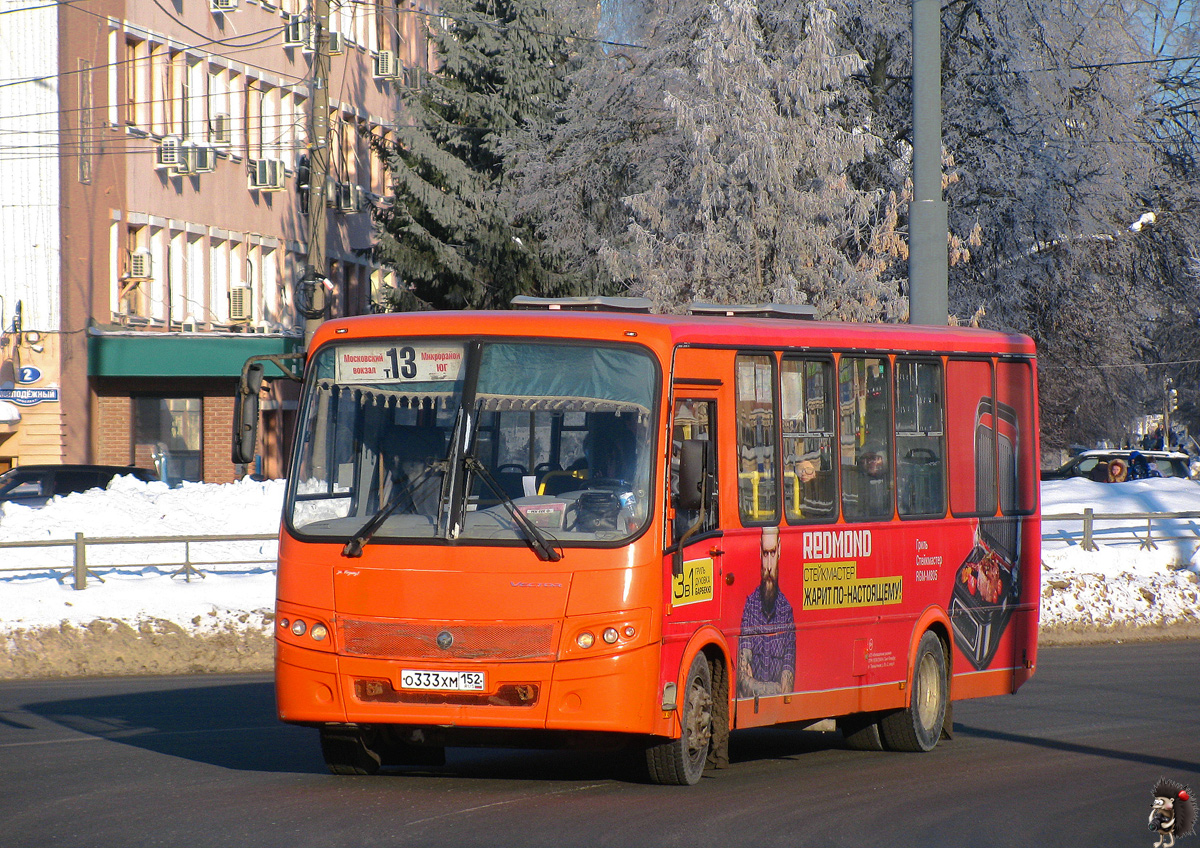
{"points": [[151, 225]]}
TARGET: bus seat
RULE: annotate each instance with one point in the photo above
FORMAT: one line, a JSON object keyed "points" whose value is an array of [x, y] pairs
{"points": [[512, 482], [557, 482]]}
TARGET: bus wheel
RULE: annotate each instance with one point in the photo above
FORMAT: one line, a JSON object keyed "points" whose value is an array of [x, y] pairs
{"points": [[860, 731], [346, 750], [680, 762], [919, 727]]}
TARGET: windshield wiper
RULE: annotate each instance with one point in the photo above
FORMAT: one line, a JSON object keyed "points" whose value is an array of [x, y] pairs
{"points": [[354, 547], [537, 540]]}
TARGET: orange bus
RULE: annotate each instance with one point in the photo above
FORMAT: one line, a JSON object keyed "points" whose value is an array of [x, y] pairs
{"points": [[581, 522]]}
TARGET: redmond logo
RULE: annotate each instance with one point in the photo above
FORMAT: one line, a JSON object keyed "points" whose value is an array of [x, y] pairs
{"points": [[521, 584]]}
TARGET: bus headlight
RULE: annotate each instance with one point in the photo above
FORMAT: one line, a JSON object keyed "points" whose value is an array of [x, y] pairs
{"points": [[604, 633], [298, 627], [319, 632]]}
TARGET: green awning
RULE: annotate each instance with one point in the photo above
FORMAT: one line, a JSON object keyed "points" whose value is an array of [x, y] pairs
{"points": [[150, 354]]}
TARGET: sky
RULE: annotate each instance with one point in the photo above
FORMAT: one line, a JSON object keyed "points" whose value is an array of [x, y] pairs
{"points": [[1120, 583]]}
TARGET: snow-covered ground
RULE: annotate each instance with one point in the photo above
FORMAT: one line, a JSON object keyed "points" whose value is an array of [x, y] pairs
{"points": [[1119, 584]]}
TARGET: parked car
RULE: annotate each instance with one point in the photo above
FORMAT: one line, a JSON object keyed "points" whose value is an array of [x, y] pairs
{"points": [[1168, 463], [34, 485]]}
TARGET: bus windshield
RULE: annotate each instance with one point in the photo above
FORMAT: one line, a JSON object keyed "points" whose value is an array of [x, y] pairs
{"points": [[443, 438]]}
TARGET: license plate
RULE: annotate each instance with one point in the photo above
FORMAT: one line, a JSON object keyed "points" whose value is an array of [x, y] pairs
{"points": [[443, 681]]}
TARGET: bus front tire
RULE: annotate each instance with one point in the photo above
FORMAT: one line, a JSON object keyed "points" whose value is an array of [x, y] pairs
{"points": [[919, 727], [681, 762], [348, 750]]}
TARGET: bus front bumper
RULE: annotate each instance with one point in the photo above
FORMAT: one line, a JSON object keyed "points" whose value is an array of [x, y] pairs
{"points": [[613, 693]]}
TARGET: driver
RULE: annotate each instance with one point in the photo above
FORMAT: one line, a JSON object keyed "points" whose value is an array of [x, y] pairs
{"points": [[612, 452]]}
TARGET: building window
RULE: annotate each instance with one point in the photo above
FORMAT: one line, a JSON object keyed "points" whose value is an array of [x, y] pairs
{"points": [[86, 122], [170, 431], [137, 84]]}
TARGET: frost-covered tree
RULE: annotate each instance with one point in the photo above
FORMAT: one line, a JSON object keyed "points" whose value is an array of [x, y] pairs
{"points": [[760, 206], [708, 159], [609, 136], [452, 233], [1048, 123]]}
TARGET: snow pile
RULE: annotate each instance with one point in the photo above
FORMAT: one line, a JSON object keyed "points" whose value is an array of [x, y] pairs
{"points": [[237, 596], [1125, 583], [1121, 584]]}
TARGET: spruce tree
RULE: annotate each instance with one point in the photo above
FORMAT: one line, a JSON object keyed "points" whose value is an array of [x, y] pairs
{"points": [[451, 233]]}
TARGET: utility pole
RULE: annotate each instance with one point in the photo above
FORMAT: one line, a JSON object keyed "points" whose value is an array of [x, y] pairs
{"points": [[928, 256], [314, 283]]}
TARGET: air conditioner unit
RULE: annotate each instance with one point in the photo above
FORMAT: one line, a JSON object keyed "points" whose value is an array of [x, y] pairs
{"points": [[216, 6], [195, 159], [186, 166], [295, 34], [385, 65], [412, 78], [241, 306], [140, 266], [349, 197], [310, 38], [337, 44], [219, 129], [168, 154], [204, 159], [268, 174]]}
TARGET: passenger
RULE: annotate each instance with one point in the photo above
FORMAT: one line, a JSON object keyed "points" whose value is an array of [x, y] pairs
{"points": [[612, 448], [1141, 468], [816, 495], [873, 484], [408, 453]]}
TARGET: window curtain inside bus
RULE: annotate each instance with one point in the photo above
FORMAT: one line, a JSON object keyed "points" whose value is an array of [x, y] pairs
{"points": [[613, 378]]}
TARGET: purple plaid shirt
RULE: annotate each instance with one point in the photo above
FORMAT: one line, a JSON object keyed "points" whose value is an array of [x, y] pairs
{"points": [[772, 641]]}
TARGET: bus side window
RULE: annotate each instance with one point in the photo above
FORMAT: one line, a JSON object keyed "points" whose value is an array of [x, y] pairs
{"points": [[920, 453], [868, 474], [758, 496], [807, 409], [694, 419]]}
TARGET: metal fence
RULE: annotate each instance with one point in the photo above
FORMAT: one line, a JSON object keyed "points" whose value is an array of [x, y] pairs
{"points": [[189, 557], [186, 557], [1145, 528]]}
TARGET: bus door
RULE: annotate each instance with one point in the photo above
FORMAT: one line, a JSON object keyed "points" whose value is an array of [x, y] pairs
{"points": [[694, 551], [694, 562]]}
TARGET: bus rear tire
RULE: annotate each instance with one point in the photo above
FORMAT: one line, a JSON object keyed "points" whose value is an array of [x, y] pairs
{"points": [[681, 762], [347, 750], [919, 727]]}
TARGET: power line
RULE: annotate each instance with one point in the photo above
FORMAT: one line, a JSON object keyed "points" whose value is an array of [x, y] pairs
{"points": [[43, 6], [270, 34]]}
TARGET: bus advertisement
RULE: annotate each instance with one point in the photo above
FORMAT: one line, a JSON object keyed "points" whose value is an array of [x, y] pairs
{"points": [[579, 523]]}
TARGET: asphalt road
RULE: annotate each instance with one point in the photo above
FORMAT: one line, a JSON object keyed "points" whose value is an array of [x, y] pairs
{"points": [[201, 761]]}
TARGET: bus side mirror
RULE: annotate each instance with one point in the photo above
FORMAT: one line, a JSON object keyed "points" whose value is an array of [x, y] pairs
{"points": [[245, 413], [693, 473]]}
